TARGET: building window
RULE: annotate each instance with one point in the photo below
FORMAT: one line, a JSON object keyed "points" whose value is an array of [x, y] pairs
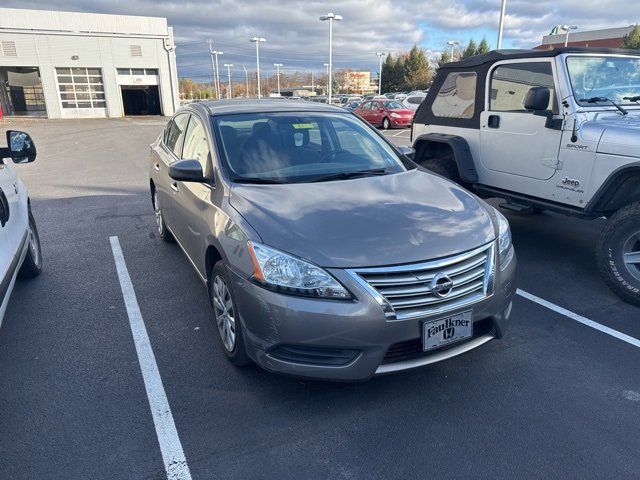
{"points": [[8, 49], [81, 87], [135, 50], [457, 96]]}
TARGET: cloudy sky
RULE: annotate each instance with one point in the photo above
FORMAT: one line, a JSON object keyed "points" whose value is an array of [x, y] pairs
{"points": [[296, 38]]}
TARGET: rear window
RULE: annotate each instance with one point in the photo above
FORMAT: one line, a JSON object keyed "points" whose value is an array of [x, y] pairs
{"points": [[457, 96]]}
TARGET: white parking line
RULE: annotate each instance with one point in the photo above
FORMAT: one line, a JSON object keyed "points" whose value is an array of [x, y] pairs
{"points": [[579, 318], [400, 133], [175, 462]]}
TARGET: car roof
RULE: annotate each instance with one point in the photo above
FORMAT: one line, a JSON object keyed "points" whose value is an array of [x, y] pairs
{"points": [[227, 107], [498, 55]]}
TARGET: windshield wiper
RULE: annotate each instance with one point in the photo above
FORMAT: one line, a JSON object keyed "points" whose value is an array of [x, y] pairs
{"points": [[635, 99], [259, 180], [351, 174], [604, 99]]}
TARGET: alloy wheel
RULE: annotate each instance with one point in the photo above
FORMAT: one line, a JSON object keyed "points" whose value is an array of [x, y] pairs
{"points": [[158, 212], [33, 245], [224, 313], [631, 254]]}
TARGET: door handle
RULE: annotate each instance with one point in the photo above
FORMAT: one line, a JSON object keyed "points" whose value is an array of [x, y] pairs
{"points": [[156, 166], [174, 187], [493, 121]]}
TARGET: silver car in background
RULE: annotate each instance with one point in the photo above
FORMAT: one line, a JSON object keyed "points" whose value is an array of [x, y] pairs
{"points": [[326, 252]]}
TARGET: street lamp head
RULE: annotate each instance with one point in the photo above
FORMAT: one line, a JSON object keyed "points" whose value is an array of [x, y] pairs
{"points": [[217, 52], [453, 42], [229, 65], [331, 16], [278, 65], [381, 54], [258, 39]]}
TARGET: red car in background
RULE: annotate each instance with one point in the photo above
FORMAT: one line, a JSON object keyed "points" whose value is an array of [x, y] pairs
{"points": [[385, 113]]}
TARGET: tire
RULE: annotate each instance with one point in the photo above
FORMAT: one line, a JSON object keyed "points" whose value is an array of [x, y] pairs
{"points": [[161, 226], [617, 252], [443, 166], [386, 124], [32, 264], [225, 315]]}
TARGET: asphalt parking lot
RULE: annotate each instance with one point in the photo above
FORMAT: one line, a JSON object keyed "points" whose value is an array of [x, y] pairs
{"points": [[558, 397]]}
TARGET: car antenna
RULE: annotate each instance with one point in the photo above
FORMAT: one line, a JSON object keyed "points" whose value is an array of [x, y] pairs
{"points": [[574, 135]]}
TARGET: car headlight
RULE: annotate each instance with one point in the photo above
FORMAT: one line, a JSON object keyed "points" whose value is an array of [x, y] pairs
{"points": [[395, 115], [505, 246], [284, 273]]}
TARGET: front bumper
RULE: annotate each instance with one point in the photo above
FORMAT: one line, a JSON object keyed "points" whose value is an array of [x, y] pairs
{"points": [[352, 340], [401, 122]]}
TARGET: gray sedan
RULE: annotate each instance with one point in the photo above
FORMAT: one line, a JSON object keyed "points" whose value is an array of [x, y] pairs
{"points": [[326, 252]]}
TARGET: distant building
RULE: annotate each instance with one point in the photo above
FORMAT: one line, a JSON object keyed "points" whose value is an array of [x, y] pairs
{"points": [[360, 83], [606, 38], [69, 65]]}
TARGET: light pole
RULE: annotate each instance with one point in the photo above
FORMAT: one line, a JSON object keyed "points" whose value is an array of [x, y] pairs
{"points": [[229, 93], [257, 41], [331, 17], [501, 25], [453, 44], [213, 68], [246, 79], [380, 55], [216, 53], [567, 29], [326, 67], [278, 65]]}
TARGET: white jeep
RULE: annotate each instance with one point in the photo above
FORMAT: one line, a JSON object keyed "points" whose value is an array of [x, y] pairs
{"points": [[555, 130]]}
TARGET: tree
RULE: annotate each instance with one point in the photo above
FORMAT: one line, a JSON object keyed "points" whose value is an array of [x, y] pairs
{"points": [[392, 72], [632, 39], [445, 57], [471, 50], [417, 72], [483, 47]]}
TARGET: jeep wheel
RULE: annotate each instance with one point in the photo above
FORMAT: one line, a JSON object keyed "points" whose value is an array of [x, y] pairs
{"points": [[443, 166], [618, 253]]}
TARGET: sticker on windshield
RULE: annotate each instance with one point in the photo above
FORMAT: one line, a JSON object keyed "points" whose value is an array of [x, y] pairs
{"points": [[302, 126]]}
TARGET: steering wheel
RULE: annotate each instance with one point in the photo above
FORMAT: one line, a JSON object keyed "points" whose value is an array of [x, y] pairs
{"points": [[332, 155]]}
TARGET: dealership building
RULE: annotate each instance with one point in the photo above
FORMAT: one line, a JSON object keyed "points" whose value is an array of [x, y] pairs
{"points": [[70, 65]]}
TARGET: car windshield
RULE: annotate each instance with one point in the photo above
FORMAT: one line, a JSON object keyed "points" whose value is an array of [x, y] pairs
{"points": [[393, 106], [302, 147], [613, 78]]}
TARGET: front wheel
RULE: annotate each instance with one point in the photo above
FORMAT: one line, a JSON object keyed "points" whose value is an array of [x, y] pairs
{"points": [[618, 253], [225, 314], [32, 265], [386, 124]]}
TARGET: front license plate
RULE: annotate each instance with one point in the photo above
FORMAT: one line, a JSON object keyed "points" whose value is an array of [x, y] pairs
{"points": [[443, 331]]}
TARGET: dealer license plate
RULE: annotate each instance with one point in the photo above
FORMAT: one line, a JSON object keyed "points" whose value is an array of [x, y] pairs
{"points": [[443, 331]]}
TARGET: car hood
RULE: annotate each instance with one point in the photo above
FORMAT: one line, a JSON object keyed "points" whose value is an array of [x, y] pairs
{"points": [[386, 220], [619, 135]]}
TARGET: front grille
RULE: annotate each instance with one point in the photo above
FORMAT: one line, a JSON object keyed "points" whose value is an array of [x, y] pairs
{"points": [[410, 349], [407, 291], [319, 356]]}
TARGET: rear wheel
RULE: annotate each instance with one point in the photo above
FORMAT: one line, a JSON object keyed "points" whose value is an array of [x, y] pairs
{"points": [[444, 166], [618, 253], [32, 265], [386, 124], [163, 231]]}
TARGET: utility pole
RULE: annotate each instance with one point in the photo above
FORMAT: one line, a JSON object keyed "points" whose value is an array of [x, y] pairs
{"points": [[313, 85], [229, 87], [380, 55], [501, 26], [246, 79], [327, 68], [278, 65], [213, 68]]}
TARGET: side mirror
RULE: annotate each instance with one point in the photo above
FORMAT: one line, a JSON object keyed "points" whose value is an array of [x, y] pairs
{"points": [[407, 151], [21, 147], [186, 171], [537, 99]]}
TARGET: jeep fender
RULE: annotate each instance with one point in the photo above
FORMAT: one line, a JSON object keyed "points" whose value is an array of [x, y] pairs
{"points": [[621, 188], [460, 149]]}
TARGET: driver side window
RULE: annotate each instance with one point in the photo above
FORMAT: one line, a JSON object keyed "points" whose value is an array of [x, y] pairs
{"points": [[510, 84]]}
